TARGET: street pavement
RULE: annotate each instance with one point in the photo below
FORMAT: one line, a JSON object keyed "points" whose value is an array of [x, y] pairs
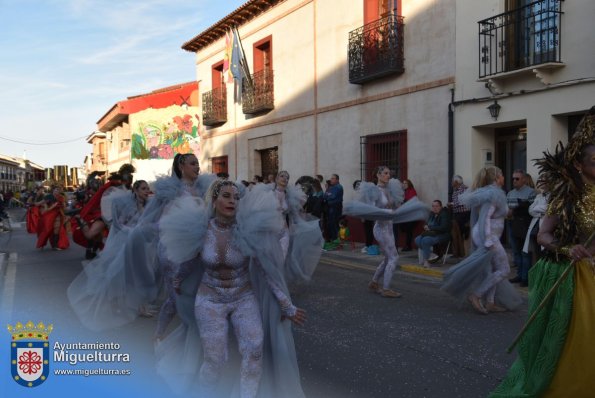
{"points": [[355, 343]]}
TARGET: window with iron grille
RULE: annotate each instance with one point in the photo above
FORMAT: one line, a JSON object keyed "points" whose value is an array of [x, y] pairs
{"points": [[527, 34], [258, 91], [214, 102], [388, 149]]}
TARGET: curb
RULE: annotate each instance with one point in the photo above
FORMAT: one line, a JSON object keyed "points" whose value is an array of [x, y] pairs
{"points": [[416, 269], [344, 261]]}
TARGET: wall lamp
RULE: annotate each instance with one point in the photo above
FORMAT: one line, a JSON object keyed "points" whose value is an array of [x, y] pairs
{"points": [[494, 109]]}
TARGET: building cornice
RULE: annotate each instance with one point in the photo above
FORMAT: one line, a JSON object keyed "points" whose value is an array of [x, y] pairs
{"points": [[9, 159], [240, 16], [95, 134]]}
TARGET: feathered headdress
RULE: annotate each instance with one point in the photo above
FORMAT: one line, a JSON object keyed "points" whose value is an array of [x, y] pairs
{"points": [[92, 181], [560, 178], [126, 168]]}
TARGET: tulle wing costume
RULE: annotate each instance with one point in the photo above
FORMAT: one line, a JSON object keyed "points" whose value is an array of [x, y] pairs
{"points": [[108, 198], [102, 295], [111, 288], [143, 252], [465, 277], [256, 232], [367, 200], [305, 236]]}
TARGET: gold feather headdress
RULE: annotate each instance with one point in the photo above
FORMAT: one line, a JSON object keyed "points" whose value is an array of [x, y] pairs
{"points": [[560, 178]]}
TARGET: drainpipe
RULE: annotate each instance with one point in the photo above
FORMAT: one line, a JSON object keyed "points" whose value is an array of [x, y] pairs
{"points": [[451, 133]]}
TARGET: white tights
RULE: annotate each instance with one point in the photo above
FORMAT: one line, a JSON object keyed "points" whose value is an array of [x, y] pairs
{"points": [[383, 233], [213, 320], [500, 266]]}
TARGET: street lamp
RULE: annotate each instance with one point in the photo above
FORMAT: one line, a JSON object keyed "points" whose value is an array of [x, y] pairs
{"points": [[494, 109]]}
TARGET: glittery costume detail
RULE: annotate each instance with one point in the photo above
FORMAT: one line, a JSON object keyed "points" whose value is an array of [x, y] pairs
{"points": [[585, 213], [562, 180]]}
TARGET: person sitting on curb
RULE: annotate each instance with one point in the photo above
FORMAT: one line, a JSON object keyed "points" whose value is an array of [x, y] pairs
{"points": [[436, 230]]}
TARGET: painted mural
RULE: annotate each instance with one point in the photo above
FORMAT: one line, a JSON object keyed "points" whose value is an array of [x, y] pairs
{"points": [[158, 139]]}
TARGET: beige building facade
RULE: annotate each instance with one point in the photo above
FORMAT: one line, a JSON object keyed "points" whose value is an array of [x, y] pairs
{"points": [[10, 174], [534, 59], [97, 160], [337, 87], [118, 147]]}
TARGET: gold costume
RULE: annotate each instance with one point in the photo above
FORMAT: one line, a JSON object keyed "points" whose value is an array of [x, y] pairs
{"points": [[575, 372]]}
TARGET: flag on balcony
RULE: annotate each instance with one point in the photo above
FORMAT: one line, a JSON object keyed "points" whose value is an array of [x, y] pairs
{"points": [[236, 57], [238, 65], [227, 57]]}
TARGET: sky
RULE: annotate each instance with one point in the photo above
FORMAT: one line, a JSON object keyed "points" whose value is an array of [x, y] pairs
{"points": [[65, 63]]}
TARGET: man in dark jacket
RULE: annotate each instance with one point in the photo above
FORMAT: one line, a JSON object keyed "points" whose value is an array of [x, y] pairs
{"points": [[519, 199], [333, 199]]}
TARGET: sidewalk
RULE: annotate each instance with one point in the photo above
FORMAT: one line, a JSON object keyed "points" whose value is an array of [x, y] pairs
{"points": [[408, 261]]}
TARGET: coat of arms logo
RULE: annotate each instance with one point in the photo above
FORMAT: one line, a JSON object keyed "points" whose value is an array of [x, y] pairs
{"points": [[29, 353]]}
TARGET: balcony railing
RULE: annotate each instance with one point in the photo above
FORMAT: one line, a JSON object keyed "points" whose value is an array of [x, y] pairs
{"points": [[520, 38], [376, 50], [214, 107], [258, 93]]}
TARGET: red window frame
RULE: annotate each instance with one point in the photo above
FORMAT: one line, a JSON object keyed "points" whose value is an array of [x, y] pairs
{"points": [[263, 50]]}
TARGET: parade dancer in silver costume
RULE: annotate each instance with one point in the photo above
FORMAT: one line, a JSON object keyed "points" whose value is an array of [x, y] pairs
{"points": [[383, 233], [225, 293], [493, 226], [481, 277], [242, 286], [382, 203]]}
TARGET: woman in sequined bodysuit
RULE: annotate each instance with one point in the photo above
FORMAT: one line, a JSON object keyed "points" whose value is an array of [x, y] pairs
{"points": [[225, 296], [242, 286], [383, 233]]}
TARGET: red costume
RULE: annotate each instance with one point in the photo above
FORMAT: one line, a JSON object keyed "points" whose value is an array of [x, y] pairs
{"points": [[46, 225], [90, 213], [33, 219]]}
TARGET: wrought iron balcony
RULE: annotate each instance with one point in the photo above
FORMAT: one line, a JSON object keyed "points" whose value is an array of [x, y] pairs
{"points": [[214, 107], [258, 92], [520, 38], [376, 50]]}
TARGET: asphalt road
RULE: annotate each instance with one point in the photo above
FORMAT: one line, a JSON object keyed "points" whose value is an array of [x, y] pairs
{"points": [[358, 344]]}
